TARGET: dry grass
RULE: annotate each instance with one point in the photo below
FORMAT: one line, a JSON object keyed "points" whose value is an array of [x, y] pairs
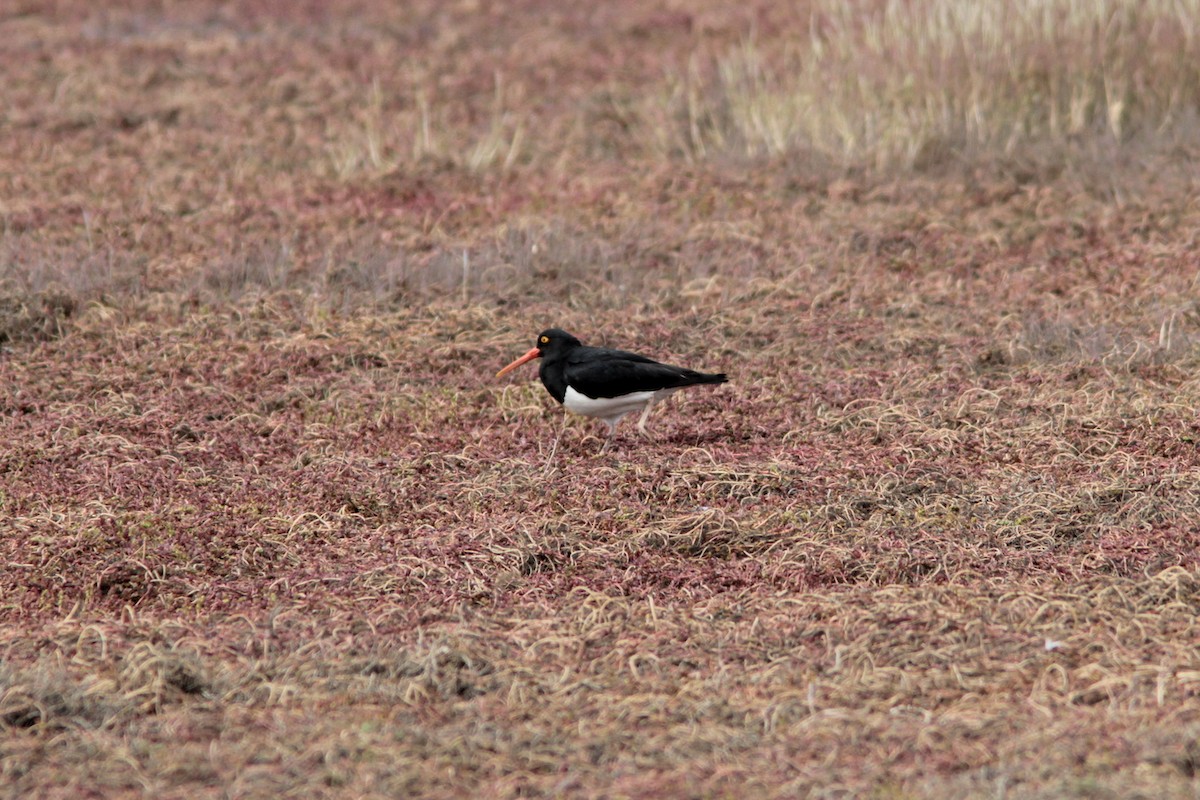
{"points": [[270, 528], [921, 85]]}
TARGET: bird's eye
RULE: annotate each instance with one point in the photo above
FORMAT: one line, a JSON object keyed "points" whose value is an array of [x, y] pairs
{"points": [[544, 340]]}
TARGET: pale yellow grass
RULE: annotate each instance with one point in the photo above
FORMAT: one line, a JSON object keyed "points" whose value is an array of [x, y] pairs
{"points": [[909, 84]]}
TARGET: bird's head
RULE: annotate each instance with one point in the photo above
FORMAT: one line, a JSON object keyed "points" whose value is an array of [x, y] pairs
{"points": [[550, 343]]}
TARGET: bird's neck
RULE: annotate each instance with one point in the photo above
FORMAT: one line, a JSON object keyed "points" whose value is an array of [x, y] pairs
{"points": [[553, 378]]}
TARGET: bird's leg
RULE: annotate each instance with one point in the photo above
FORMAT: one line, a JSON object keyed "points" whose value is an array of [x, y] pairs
{"points": [[612, 434], [642, 419], [554, 449]]}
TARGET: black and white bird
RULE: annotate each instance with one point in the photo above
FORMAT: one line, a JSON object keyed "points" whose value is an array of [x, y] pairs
{"points": [[603, 383]]}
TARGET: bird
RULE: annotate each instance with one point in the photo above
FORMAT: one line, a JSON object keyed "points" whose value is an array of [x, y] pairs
{"points": [[604, 383]]}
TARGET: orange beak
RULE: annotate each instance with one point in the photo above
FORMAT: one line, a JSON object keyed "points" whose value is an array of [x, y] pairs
{"points": [[530, 356]]}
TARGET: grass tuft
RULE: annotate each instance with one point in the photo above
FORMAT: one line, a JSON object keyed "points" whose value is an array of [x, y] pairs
{"points": [[924, 85]]}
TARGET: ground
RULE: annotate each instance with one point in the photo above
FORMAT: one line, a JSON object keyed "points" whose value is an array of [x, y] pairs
{"points": [[271, 528]]}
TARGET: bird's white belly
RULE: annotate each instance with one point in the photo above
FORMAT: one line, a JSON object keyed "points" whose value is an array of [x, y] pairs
{"points": [[610, 408]]}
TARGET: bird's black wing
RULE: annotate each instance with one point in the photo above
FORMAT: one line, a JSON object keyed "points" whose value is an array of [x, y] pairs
{"points": [[599, 372]]}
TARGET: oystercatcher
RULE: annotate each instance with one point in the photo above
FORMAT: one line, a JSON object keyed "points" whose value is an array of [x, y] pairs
{"points": [[604, 383]]}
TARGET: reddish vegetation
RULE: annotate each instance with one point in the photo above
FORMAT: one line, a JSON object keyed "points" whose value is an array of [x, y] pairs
{"points": [[271, 528]]}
